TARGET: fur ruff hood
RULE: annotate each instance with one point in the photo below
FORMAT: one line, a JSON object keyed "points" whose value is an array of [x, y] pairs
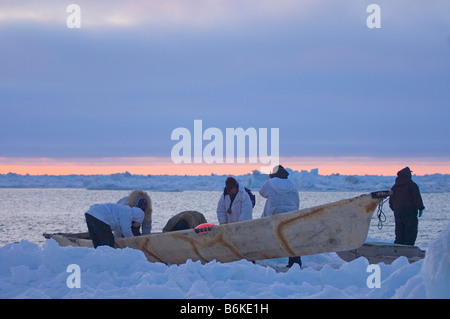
{"points": [[132, 199]]}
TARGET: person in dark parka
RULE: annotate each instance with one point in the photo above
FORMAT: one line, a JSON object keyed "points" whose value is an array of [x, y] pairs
{"points": [[406, 201]]}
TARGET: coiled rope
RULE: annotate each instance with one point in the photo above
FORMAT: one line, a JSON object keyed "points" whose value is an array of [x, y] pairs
{"points": [[380, 214], [384, 195]]}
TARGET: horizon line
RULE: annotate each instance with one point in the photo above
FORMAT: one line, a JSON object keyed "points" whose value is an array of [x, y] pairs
{"points": [[164, 166]]}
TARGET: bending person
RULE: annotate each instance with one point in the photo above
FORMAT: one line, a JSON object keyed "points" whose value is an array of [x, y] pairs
{"points": [[104, 219], [136, 198]]}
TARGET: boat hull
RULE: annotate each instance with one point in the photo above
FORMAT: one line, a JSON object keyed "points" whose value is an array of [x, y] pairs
{"points": [[333, 227], [71, 239], [328, 228]]}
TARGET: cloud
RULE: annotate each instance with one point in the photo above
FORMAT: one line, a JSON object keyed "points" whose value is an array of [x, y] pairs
{"points": [[312, 69], [178, 13], [213, 14]]}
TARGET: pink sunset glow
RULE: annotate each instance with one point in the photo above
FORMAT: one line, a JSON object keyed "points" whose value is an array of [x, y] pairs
{"points": [[164, 166]]}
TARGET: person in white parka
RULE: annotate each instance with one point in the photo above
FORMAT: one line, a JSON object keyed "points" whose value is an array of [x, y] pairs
{"points": [[281, 193], [104, 219], [282, 197], [234, 204], [133, 200]]}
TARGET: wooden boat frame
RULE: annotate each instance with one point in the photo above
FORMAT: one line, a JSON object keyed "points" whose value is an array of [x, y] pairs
{"points": [[338, 226]]}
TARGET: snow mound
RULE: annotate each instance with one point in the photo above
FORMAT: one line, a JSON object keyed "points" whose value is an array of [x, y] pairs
{"points": [[30, 271]]}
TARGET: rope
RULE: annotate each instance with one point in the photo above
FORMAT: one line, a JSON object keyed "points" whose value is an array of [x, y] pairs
{"points": [[380, 214]]}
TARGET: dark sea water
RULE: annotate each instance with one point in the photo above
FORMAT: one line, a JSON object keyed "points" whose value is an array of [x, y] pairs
{"points": [[27, 213]]}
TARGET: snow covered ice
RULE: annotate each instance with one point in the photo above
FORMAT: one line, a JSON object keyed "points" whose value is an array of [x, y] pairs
{"points": [[30, 271], [305, 181]]}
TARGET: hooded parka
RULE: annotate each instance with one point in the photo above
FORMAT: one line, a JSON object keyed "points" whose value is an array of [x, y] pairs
{"points": [[239, 209], [405, 201], [132, 200], [405, 193], [282, 196], [105, 219]]}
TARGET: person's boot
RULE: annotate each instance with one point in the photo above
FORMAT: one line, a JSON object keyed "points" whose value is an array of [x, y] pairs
{"points": [[294, 260]]}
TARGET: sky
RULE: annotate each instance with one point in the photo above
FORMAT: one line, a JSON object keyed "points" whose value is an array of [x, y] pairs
{"points": [[102, 89]]}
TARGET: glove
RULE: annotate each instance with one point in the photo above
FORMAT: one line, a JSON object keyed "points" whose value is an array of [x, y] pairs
{"points": [[420, 212]]}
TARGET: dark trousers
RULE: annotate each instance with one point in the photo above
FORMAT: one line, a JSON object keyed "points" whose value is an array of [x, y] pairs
{"points": [[100, 232], [406, 226], [294, 260]]}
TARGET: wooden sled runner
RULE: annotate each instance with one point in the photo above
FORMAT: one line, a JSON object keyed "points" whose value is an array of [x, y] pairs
{"points": [[383, 252], [333, 227]]}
